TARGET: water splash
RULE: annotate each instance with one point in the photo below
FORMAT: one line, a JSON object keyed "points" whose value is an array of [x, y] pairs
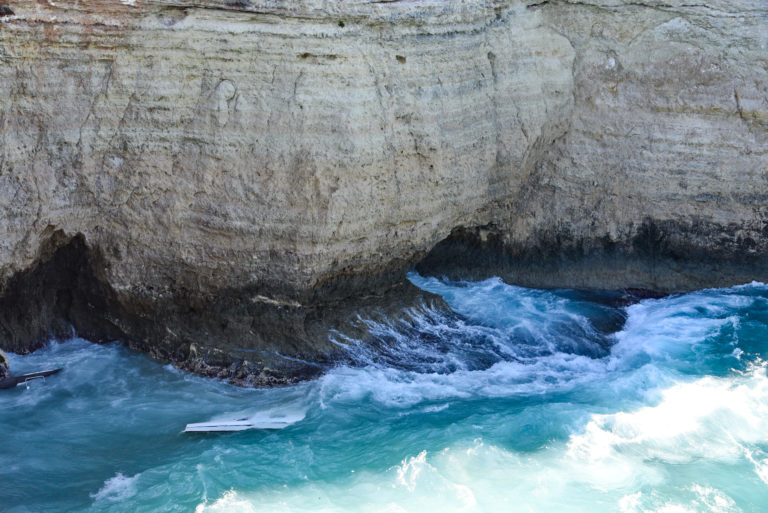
{"points": [[116, 489], [517, 400]]}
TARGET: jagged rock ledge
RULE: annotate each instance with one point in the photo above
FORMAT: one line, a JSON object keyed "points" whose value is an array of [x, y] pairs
{"points": [[236, 334]]}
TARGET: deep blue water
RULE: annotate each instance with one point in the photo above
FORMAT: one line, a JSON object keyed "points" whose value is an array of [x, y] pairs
{"points": [[520, 400]]}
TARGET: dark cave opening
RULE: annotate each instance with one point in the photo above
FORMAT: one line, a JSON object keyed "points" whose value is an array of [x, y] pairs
{"points": [[60, 296]]}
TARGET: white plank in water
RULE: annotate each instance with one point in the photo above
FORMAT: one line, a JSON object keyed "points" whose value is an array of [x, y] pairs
{"points": [[237, 425]]}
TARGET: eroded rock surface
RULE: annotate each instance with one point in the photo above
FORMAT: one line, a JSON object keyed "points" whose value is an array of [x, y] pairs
{"points": [[661, 179], [219, 183], [4, 367]]}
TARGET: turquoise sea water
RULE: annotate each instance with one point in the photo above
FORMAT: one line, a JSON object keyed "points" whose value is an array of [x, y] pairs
{"points": [[522, 400]]}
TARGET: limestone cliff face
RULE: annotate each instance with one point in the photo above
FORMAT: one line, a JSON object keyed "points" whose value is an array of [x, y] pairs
{"points": [[664, 169], [661, 180], [218, 182]]}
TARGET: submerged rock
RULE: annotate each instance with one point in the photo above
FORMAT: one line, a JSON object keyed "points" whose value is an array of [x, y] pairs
{"points": [[215, 182]]}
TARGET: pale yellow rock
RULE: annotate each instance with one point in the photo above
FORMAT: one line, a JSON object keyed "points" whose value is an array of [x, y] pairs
{"points": [[206, 147]]}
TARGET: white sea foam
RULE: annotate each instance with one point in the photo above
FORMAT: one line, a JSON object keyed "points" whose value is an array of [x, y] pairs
{"points": [[520, 315], [587, 421], [397, 388], [697, 499], [624, 458], [518, 349], [717, 419], [673, 327], [658, 332], [117, 488]]}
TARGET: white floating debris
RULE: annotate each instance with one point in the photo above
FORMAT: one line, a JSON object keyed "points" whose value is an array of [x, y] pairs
{"points": [[258, 421], [235, 425]]}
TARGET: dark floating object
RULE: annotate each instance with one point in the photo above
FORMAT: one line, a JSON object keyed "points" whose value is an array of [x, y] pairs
{"points": [[24, 378], [5, 11]]}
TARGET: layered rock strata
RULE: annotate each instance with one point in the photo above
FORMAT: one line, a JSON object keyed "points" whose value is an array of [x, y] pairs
{"points": [[661, 180], [220, 183]]}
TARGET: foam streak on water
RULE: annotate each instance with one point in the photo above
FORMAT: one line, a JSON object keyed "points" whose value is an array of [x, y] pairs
{"points": [[517, 400]]}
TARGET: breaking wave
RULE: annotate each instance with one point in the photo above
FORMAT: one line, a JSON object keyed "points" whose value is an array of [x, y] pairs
{"points": [[515, 399]]}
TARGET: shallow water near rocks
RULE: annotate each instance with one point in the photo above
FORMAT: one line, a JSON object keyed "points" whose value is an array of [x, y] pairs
{"points": [[518, 400]]}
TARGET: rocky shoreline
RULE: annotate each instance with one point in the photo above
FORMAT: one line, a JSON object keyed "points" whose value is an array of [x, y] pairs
{"points": [[222, 184]]}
